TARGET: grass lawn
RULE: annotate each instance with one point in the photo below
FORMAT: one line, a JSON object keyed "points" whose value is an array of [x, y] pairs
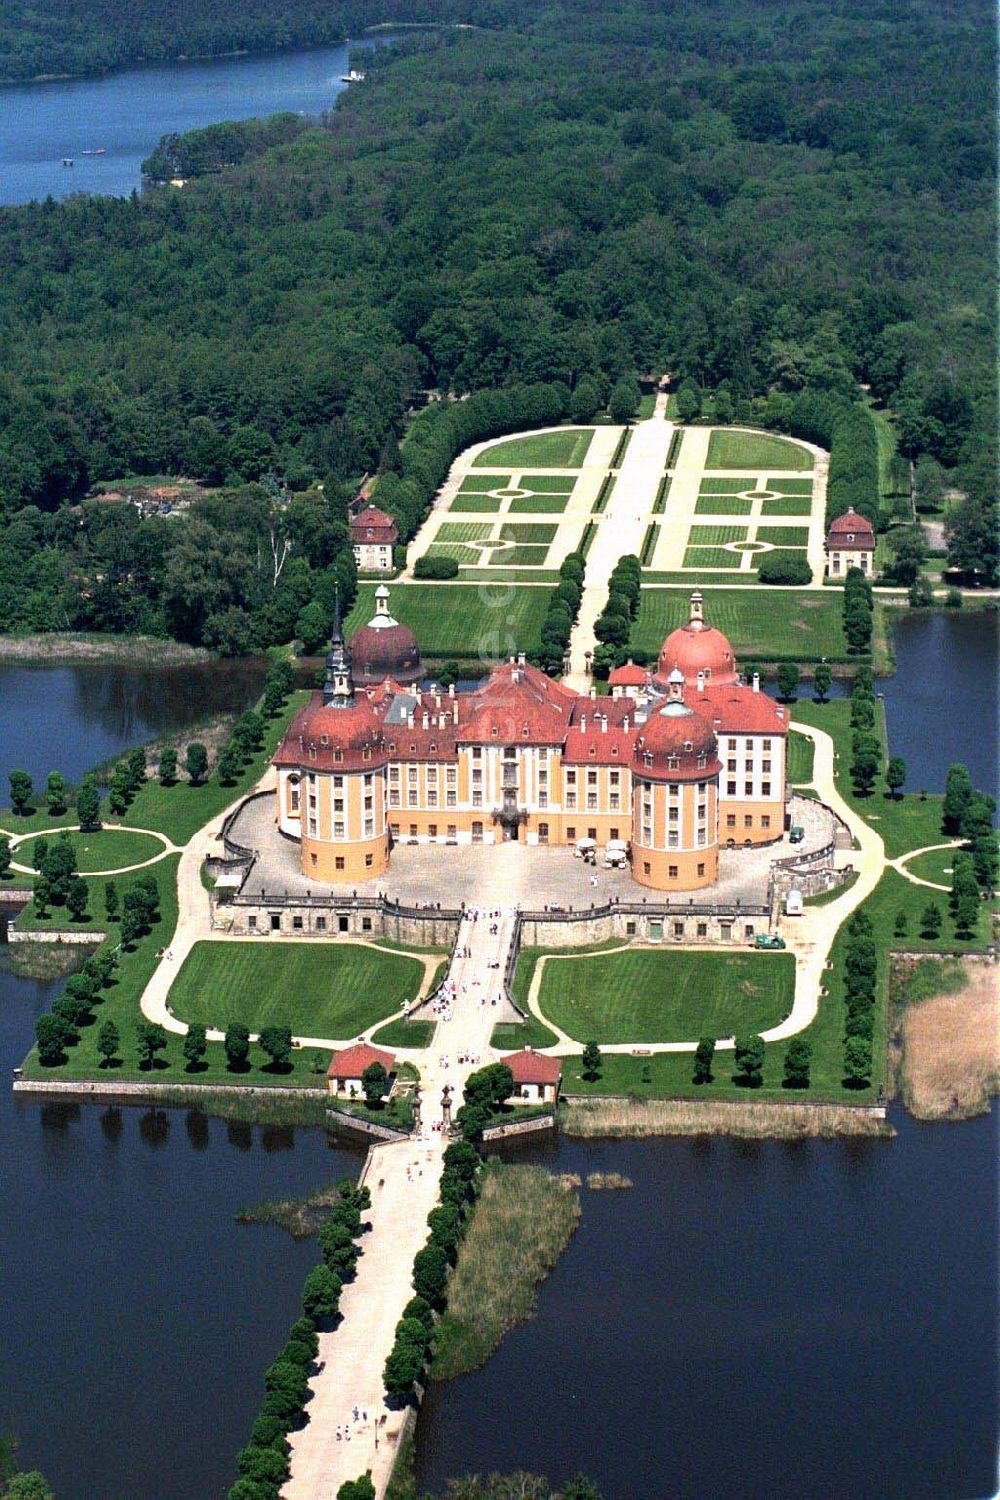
{"points": [[800, 758], [323, 989], [709, 557], [791, 486], [546, 504], [404, 1034], [937, 865], [464, 531], [466, 557], [754, 450], [666, 996], [760, 623], [107, 849], [478, 504], [527, 531], [500, 574], [722, 505], [479, 483], [714, 536], [656, 579], [727, 486], [784, 536], [462, 620], [563, 449], [787, 505], [547, 484], [522, 556]]}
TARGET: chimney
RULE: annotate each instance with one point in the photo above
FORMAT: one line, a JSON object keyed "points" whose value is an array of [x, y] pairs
{"points": [[604, 723], [593, 692], [521, 659], [756, 682], [583, 722], [427, 719], [454, 712], [701, 682], [625, 723], [420, 696], [451, 690]]}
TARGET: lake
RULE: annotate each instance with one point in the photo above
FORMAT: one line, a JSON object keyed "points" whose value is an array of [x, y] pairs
{"points": [[128, 111]]}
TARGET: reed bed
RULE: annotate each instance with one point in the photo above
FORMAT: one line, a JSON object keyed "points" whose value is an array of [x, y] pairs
{"points": [[610, 1181], [950, 1064], [625, 1117], [46, 960], [301, 1217], [519, 1227], [261, 1107]]}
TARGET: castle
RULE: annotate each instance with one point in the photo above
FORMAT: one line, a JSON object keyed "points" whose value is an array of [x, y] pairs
{"points": [[679, 761]]}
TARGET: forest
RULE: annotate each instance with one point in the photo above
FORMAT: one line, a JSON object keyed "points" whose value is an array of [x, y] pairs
{"points": [[778, 204]]}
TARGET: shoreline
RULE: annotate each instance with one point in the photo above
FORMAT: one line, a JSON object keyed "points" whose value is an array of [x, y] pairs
{"points": [[83, 647]]}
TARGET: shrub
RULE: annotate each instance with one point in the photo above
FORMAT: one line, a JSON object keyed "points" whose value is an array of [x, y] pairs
{"points": [[786, 570], [435, 567]]}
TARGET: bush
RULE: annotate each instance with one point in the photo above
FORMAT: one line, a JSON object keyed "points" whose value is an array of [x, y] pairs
{"points": [[854, 467], [777, 569], [435, 567]]}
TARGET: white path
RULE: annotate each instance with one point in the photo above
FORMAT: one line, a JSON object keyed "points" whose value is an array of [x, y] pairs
{"points": [[17, 839], [900, 864], [620, 531]]}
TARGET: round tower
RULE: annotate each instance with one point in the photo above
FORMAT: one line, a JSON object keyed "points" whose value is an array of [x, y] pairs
{"points": [[675, 795]]}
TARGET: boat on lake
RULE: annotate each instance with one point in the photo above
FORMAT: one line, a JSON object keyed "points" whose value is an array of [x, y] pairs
{"points": [[67, 161], [95, 151], [352, 77]]}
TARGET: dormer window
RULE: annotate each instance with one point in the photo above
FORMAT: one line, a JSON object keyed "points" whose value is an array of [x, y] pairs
{"points": [[338, 755], [366, 753], [614, 749], [702, 762], [433, 747], [324, 739], [591, 749], [647, 758], [688, 746], [673, 764], [312, 752]]}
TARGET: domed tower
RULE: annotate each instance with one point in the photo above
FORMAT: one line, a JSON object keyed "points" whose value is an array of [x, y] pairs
{"points": [[331, 778], [385, 648], [696, 648], [675, 797]]}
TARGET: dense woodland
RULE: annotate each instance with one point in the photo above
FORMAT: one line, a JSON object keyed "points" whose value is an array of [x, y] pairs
{"points": [[775, 203]]}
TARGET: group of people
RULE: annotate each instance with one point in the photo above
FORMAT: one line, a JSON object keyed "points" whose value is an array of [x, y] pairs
{"points": [[359, 1418]]}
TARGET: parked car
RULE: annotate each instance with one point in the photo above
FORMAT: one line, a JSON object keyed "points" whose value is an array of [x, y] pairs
{"points": [[768, 940]]}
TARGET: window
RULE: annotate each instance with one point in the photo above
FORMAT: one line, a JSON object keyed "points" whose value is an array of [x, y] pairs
{"points": [[748, 821], [570, 801], [297, 924], [614, 802], [702, 762], [452, 831], [674, 814], [338, 863], [591, 801], [647, 833], [432, 830], [571, 778], [293, 794], [673, 839], [543, 833], [338, 804], [726, 931], [702, 929], [748, 788], [748, 745], [731, 744], [477, 833], [477, 778], [730, 788], [252, 922], [432, 797], [671, 872], [702, 838], [343, 924], [413, 830], [369, 804], [731, 766], [765, 821], [477, 799], [393, 774], [591, 778], [432, 775], [766, 768], [614, 778], [673, 763], [765, 789], [338, 830], [411, 773], [645, 867], [543, 799], [369, 828], [630, 929], [369, 781], [678, 929], [674, 789], [766, 744], [730, 820], [394, 830], [701, 870], [571, 833], [320, 924], [451, 798], [369, 861], [477, 752], [451, 775]]}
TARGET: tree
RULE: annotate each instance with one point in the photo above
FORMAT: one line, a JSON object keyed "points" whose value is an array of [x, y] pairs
{"points": [[430, 1274], [822, 679], [375, 1082], [757, 111], [928, 485], [957, 796], [21, 791], [339, 1249], [585, 401], [857, 1062], [688, 402], [625, 400], [53, 1035], [965, 896], [930, 921], [321, 1294], [797, 1060], [986, 861], [133, 926], [135, 768], [230, 764], [5, 857], [194, 1047], [920, 594], [108, 1042], [591, 1061], [76, 898], [749, 1062], [703, 1055], [901, 925], [277, 1043], [864, 770], [150, 1039], [357, 1489], [167, 767], [895, 776], [237, 1046], [788, 680], [31, 1485], [55, 794], [41, 895], [88, 803], [112, 906], [196, 762], [977, 819]]}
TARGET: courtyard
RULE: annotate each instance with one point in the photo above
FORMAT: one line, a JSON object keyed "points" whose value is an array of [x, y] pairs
{"points": [[531, 876]]}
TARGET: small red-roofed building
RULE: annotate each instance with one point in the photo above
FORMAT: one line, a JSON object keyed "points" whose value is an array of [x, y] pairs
{"points": [[628, 681], [347, 1068], [850, 543], [536, 1078], [373, 536]]}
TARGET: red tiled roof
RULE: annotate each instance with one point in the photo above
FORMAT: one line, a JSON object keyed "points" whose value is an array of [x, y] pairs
{"points": [[675, 732], [373, 525], [628, 676], [735, 709], [518, 704], [333, 739], [610, 747], [353, 1061], [854, 525], [527, 1066]]}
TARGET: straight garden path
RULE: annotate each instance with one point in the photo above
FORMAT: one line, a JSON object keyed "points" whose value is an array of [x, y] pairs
{"points": [[621, 531], [403, 1178]]}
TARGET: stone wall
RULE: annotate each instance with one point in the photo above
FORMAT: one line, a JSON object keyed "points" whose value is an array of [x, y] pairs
{"points": [[678, 924], [519, 1127], [88, 939], [366, 918]]}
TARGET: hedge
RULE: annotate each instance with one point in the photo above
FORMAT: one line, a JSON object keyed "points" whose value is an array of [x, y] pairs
{"points": [[777, 569], [435, 567]]}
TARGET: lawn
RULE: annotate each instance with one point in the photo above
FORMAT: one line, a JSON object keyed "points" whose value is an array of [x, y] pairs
{"points": [[760, 623], [710, 557], [466, 557], [520, 556], [754, 450], [547, 484], [323, 989], [462, 621], [722, 505], [784, 536], [107, 849], [791, 486], [404, 1034], [644, 995], [527, 531], [937, 865], [787, 505], [464, 531], [800, 758], [565, 448], [546, 504], [657, 579], [727, 486], [480, 483], [714, 536], [479, 504]]}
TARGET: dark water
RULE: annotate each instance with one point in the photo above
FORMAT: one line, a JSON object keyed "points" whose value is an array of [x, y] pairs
{"points": [[801, 1321], [127, 113], [72, 718], [137, 1318]]}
